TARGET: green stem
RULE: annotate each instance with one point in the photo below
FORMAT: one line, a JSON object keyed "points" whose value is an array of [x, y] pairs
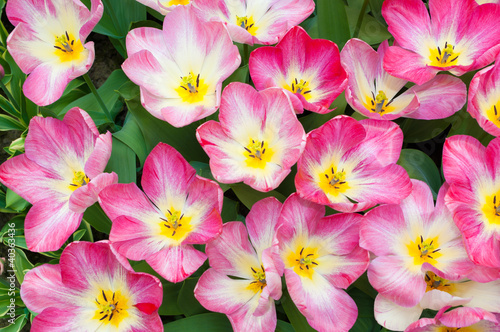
{"points": [[246, 55], [9, 96], [360, 19], [99, 99]]}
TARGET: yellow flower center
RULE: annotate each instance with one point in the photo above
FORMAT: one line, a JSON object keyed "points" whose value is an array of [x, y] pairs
{"points": [[459, 329], [379, 103], [79, 180], [176, 225], [247, 23], [257, 154], [435, 282], [111, 307], [443, 57], [300, 87], [491, 209], [424, 251], [178, 2], [192, 89], [67, 47], [492, 114], [333, 182], [259, 282], [303, 261]]}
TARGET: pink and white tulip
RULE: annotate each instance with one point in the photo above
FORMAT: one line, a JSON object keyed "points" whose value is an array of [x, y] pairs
{"points": [[160, 225], [484, 98], [309, 69], [439, 293], [351, 166], [249, 300], [458, 36], [320, 257], [373, 92], [165, 6], [410, 239], [256, 21], [257, 140], [180, 69], [61, 174], [92, 289], [458, 319], [48, 43], [474, 177]]}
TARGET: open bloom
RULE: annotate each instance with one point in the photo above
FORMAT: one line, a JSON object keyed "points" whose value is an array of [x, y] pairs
{"points": [[256, 21], [257, 140], [61, 174], [176, 210], [48, 43], [309, 69], [410, 239], [459, 36], [439, 293], [376, 94], [164, 6], [458, 319], [320, 257], [351, 166], [249, 300], [180, 69], [474, 197], [484, 98], [92, 289]]}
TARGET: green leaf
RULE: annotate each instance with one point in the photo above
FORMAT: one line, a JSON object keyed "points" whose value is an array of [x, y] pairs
{"points": [[315, 120], [366, 321], [203, 170], [249, 196], [332, 21], [131, 135], [421, 167], [108, 94], [188, 304], [9, 123], [239, 75], [298, 321], [284, 327], [122, 162], [19, 323], [7, 106], [21, 265], [364, 285], [212, 322], [79, 234], [155, 130], [371, 30], [416, 131], [15, 202], [229, 210], [96, 217]]}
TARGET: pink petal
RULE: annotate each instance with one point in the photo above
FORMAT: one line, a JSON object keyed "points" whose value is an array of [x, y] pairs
{"points": [[56, 320], [96, 11], [43, 288], [390, 277], [49, 223], [244, 320], [166, 174], [176, 263], [99, 158], [393, 316], [261, 223], [408, 65], [439, 98], [148, 292], [87, 195], [339, 233], [231, 253]]}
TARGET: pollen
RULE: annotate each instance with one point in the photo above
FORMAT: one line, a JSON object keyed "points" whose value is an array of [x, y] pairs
{"points": [[333, 181], [175, 225], [303, 261], [247, 23], [79, 180], [299, 86], [379, 103], [445, 57], [111, 307], [192, 89], [259, 276], [424, 251], [491, 210], [434, 281], [67, 47], [178, 2], [257, 153]]}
